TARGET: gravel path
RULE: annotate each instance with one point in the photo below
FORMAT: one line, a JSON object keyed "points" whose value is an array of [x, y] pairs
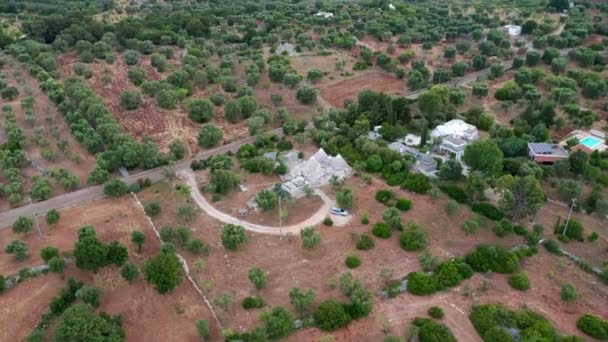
{"points": [[210, 210]]}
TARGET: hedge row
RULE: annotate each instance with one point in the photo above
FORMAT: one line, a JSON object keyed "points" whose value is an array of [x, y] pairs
{"points": [[447, 274]]}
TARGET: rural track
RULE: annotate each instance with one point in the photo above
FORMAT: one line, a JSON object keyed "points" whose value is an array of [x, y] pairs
{"points": [[314, 220]]}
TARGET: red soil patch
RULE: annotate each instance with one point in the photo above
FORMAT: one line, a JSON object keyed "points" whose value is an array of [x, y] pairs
{"points": [[147, 315], [337, 93]]}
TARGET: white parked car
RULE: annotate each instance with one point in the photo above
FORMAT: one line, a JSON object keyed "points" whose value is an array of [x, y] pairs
{"points": [[339, 211]]}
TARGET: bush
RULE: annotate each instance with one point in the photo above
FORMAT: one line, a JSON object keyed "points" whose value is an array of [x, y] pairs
{"points": [[306, 95], [568, 293], [494, 321], [328, 221], [310, 237], [152, 209], [48, 253], [451, 207], [23, 225], [129, 271], [469, 226], [574, 230], [345, 198], [421, 284], [114, 188], [352, 261], [52, 217], [519, 281], [253, 303], [454, 192], [331, 315], [552, 246], [413, 238], [488, 258], [436, 312], [278, 323], [384, 196], [209, 136], [431, 331], [417, 182], [233, 236], [403, 204], [365, 242], [593, 326], [381, 230], [200, 110], [487, 210], [257, 277], [593, 237], [503, 228]]}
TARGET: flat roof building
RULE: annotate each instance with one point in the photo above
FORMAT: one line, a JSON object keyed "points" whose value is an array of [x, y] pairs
{"points": [[546, 153]]}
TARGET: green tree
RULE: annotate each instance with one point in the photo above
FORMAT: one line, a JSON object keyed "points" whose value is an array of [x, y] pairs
{"points": [[52, 216], [450, 170], [392, 217], [57, 265], [89, 295], [166, 98], [222, 181], [345, 198], [80, 323], [90, 253], [49, 252], [18, 248], [484, 156], [138, 238], [306, 95], [314, 75], [210, 135], [41, 190], [129, 271], [521, 197], [301, 300], [115, 188], [266, 199], [278, 323], [413, 238], [257, 277], [233, 236], [23, 225], [164, 271], [331, 315], [130, 99], [568, 293], [310, 237], [200, 110]]}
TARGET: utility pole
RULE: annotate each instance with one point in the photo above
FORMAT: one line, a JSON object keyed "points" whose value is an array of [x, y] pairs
{"points": [[35, 219], [280, 213], [568, 219]]}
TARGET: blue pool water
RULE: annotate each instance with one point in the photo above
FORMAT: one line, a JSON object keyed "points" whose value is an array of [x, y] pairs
{"points": [[590, 141]]}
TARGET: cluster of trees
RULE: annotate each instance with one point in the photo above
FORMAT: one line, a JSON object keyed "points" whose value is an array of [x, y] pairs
{"points": [[92, 254]]}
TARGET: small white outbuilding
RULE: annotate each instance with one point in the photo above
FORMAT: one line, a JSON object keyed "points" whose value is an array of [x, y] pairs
{"points": [[512, 30]]}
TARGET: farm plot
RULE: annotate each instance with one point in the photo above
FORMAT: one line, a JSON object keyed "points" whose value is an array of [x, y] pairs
{"points": [[147, 315], [50, 150], [337, 92]]}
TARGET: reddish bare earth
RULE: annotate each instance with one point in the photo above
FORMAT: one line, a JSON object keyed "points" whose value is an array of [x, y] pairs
{"points": [[336, 93], [147, 315]]}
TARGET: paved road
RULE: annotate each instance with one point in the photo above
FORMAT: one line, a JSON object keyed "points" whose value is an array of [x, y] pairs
{"points": [[314, 220]]}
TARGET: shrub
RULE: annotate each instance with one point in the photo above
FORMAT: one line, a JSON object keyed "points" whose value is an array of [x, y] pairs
{"points": [[365, 242], [469, 226], [429, 330], [574, 230], [421, 284], [384, 196], [593, 326], [451, 207], [352, 261], [364, 218], [519, 281], [233, 236], [381, 230], [568, 293], [278, 323], [488, 258], [253, 303], [306, 95], [23, 225], [487, 210], [129, 271], [454, 192], [328, 221], [257, 277], [436, 312], [417, 182], [503, 228], [413, 238], [310, 237], [48, 253], [210, 135], [345, 198], [494, 321], [200, 110], [202, 326], [552, 246], [593, 236], [331, 315], [403, 204], [152, 209], [52, 217]]}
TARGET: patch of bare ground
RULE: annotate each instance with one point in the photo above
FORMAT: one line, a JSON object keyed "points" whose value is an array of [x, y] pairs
{"points": [[336, 93], [147, 315]]}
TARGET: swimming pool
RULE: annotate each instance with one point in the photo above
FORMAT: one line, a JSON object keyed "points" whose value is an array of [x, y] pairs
{"points": [[591, 141]]}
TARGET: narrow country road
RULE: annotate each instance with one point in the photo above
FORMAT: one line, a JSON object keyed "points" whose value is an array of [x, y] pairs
{"points": [[199, 199]]}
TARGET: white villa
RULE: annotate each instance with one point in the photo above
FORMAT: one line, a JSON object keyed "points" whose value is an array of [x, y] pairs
{"points": [[512, 30], [315, 172], [455, 135]]}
